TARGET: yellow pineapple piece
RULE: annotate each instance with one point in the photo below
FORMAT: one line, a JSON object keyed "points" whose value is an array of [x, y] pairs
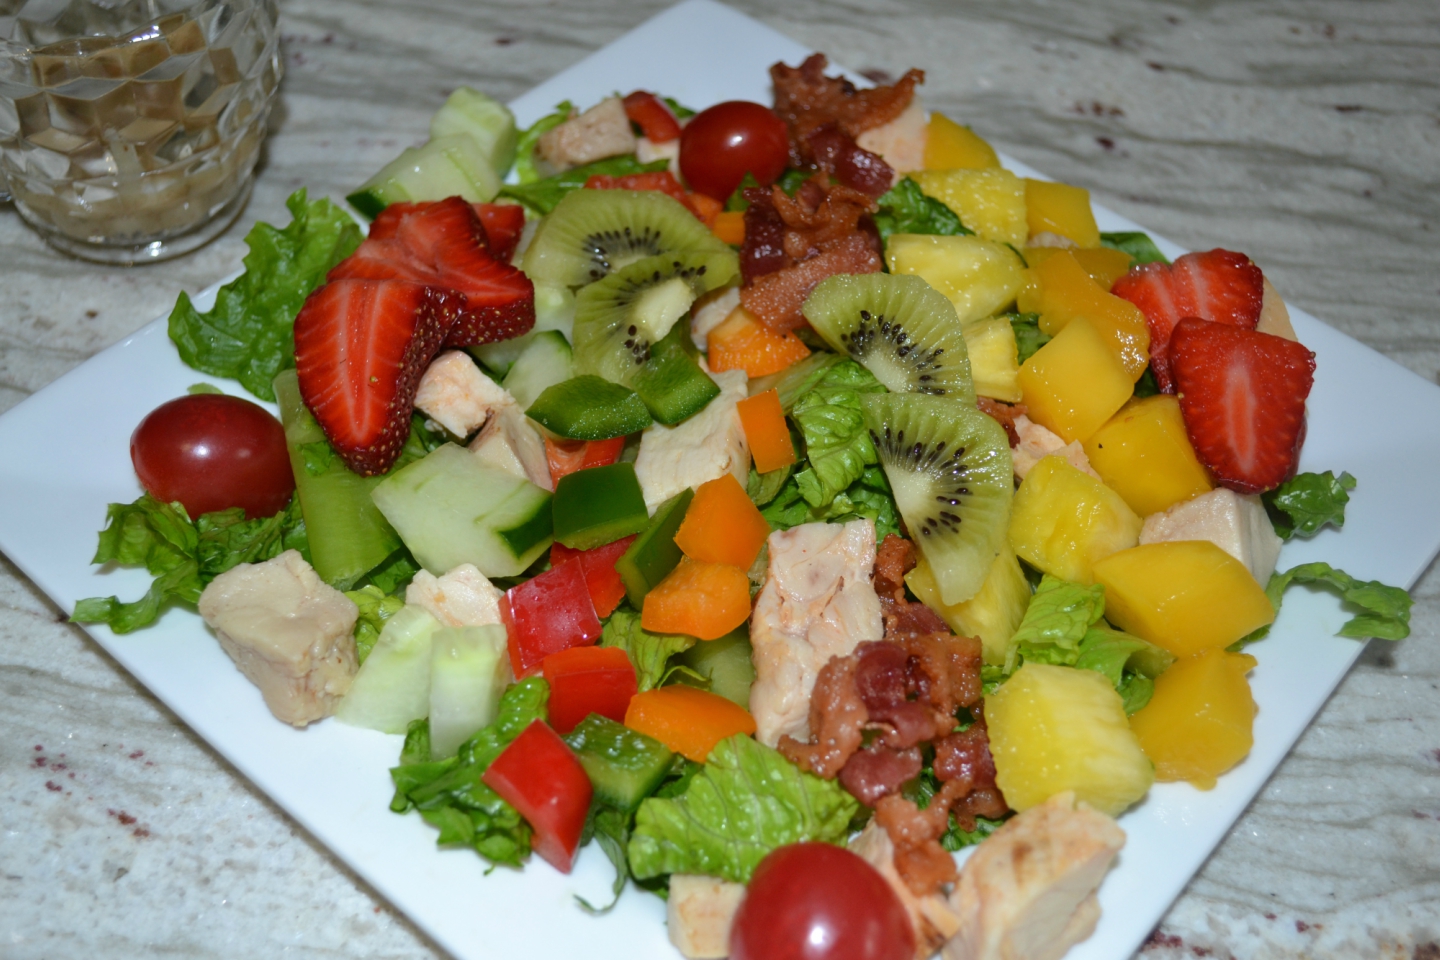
{"points": [[1061, 209], [1067, 291], [991, 202], [1063, 521], [993, 614], [994, 358], [1076, 382], [950, 146], [1057, 728], [1144, 455], [1199, 722], [979, 276], [1187, 596]]}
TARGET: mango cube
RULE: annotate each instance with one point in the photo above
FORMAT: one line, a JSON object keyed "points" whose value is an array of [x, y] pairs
{"points": [[1063, 521], [1199, 722], [950, 146], [993, 614], [1104, 264], [1187, 596], [1062, 209], [991, 202], [979, 276], [994, 358], [1144, 455], [1076, 382], [1067, 291]]}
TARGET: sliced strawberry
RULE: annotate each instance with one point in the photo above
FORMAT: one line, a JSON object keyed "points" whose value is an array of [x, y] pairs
{"points": [[653, 117], [1242, 394], [499, 298], [383, 259], [503, 223], [360, 349], [1217, 285], [424, 226]]}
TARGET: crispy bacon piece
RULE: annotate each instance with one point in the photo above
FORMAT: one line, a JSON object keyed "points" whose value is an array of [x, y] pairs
{"points": [[806, 99], [1003, 414], [839, 155], [922, 863], [837, 719], [819, 216], [776, 298], [763, 250], [894, 558], [878, 771]]}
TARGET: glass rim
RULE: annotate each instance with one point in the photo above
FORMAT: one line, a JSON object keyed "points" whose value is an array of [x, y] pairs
{"points": [[23, 51]]}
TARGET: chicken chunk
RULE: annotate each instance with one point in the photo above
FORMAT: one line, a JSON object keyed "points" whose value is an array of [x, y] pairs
{"points": [[508, 442], [1234, 523], [708, 445], [699, 913], [460, 598], [290, 633], [600, 132], [817, 603], [1037, 443], [457, 395], [935, 921], [901, 142], [709, 312], [1028, 892], [648, 151]]}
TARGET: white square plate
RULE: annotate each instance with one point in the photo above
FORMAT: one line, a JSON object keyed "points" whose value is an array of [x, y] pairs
{"points": [[68, 457]]}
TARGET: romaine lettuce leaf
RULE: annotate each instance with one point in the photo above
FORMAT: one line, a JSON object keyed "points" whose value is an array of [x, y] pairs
{"points": [[1383, 612], [248, 335], [525, 171], [1137, 244], [837, 443], [868, 496], [906, 209], [610, 828], [1028, 335], [765, 487], [1304, 504], [1115, 653], [376, 607], [649, 652], [1058, 618], [747, 801], [542, 195]]}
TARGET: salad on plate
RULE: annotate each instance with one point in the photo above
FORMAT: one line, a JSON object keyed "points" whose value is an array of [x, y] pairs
{"points": [[783, 497]]}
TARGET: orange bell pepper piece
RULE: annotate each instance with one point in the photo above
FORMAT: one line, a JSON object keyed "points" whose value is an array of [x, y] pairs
{"points": [[722, 525], [705, 600], [765, 431], [687, 720], [729, 226], [742, 342]]}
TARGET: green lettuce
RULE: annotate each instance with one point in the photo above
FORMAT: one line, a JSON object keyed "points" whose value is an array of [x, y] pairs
{"points": [[1128, 662], [747, 801], [1059, 616], [1028, 336], [906, 209], [1381, 611], [525, 171], [610, 828], [376, 606], [248, 335], [922, 790], [542, 195], [868, 497], [1137, 244], [837, 442], [765, 487], [1304, 504], [649, 652]]}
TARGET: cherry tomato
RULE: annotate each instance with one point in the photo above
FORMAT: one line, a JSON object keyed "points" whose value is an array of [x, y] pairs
{"points": [[720, 145], [212, 452], [814, 901]]}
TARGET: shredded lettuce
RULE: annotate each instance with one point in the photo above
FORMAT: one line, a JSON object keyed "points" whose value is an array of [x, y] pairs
{"points": [[1028, 336], [868, 497], [1128, 662], [1304, 504], [1137, 244], [542, 195], [1059, 616], [375, 608], [248, 336], [610, 828], [745, 802], [837, 443], [906, 209], [525, 171], [1382, 611], [649, 652]]}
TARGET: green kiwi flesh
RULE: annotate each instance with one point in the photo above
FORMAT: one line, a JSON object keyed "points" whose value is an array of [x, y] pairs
{"points": [[593, 233], [950, 471], [899, 327]]}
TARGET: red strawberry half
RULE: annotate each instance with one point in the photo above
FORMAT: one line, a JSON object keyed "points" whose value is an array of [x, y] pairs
{"points": [[1217, 285], [503, 225], [1242, 394], [360, 349]]}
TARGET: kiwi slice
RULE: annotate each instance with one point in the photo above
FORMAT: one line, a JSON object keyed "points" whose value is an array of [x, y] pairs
{"points": [[949, 468], [899, 327], [592, 233]]}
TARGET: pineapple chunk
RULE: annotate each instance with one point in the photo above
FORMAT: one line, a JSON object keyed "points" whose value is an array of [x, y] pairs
{"points": [[1076, 382], [1067, 291], [1063, 521], [993, 614], [1199, 723], [994, 358], [991, 202], [1144, 454], [1059, 208], [950, 146], [1054, 729], [979, 276]]}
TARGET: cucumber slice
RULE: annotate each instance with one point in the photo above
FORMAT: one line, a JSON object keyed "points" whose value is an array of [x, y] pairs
{"points": [[554, 310], [725, 663], [393, 686], [624, 766], [450, 509], [469, 668], [589, 408], [447, 167], [654, 552], [544, 362], [598, 506], [488, 122]]}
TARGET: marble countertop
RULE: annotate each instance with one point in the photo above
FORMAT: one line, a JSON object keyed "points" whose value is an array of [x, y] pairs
{"points": [[1306, 134]]}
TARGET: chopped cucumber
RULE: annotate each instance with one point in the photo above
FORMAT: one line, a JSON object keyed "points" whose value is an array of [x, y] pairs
{"points": [[450, 509], [393, 687], [589, 408], [469, 667], [488, 122], [598, 506], [554, 310], [726, 664], [624, 766], [348, 536], [447, 167], [654, 553], [545, 361]]}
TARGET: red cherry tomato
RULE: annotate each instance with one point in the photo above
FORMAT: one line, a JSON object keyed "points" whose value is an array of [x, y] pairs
{"points": [[813, 901], [720, 145], [212, 452]]}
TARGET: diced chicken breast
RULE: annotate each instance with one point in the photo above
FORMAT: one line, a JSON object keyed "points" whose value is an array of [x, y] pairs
{"points": [[1037, 443], [1236, 524], [1274, 315], [508, 442], [1028, 892], [1047, 238], [901, 142], [600, 132], [708, 445], [290, 633], [460, 598], [699, 913], [457, 395], [935, 921], [648, 151], [817, 603], [709, 312]]}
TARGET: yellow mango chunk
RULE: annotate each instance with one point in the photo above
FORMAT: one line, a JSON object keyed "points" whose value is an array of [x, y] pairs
{"points": [[1187, 596], [1104, 265], [979, 276], [1067, 291], [1061, 209], [1075, 383], [950, 146], [1057, 728], [1199, 722], [993, 614], [991, 202], [1063, 521], [1143, 454], [994, 358]]}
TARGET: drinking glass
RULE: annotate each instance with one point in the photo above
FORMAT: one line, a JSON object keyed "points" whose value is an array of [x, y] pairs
{"points": [[129, 129]]}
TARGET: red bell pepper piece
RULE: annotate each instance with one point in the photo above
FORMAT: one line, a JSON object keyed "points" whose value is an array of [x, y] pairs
{"points": [[567, 456], [586, 680], [654, 118], [601, 577], [539, 776], [503, 223], [547, 614]]}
